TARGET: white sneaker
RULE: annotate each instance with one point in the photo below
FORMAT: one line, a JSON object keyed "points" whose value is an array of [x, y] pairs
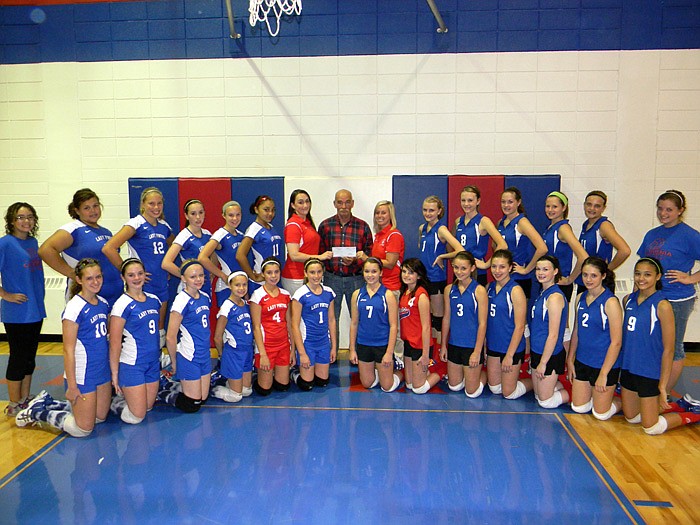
{"points": [[24, 417], [226, 394], [690, 399]]}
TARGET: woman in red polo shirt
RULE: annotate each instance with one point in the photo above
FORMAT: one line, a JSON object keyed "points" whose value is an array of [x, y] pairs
{"points": [[302, 241]]}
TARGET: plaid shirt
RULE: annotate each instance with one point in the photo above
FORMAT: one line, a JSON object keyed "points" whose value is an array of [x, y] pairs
{"points": [[355, 233]]}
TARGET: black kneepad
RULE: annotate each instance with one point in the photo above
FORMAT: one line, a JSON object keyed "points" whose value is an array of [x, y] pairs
{"points": [[187, 404], [204, 401], [280, 387], [304, 385], [320, 382], [437, 323], [260, 390]]}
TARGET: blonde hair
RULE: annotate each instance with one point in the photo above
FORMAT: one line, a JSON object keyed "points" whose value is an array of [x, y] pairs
{"points": [[144, 195], [436, 200], [392, 214]]}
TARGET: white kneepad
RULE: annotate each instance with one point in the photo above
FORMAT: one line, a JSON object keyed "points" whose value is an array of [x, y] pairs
{"points": [[635, 420], [582, 409], [128, 417], [422, 389], [247, 391], [606, 415], [552, 402], [519, 391], [98, 420], [657, 428], [397, 382], [70, 426], [376, 379], [476, 393], [456, 388], [496, 389]]}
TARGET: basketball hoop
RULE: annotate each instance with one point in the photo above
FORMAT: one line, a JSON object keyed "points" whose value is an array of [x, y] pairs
{"points": [[260, 12]]}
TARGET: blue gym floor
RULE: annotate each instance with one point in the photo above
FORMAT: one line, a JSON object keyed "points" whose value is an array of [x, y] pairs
{"points": [[333, 455]]}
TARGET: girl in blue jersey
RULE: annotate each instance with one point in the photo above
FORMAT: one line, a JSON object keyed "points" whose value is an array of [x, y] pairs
{"points": [[80, 239], [547, 323], [561, 241], [189, 242], [261, 239], [233, 338], [374, 327], [523, 241], [677, 246], [22, 307], [473, 231], [148, 236], [464, 328], [85, 360], [593, 362], [134, 348], [505, 341], [647, 354], [598, 235], [188, 338], [313, 328], [434, 239], [222, 248]]}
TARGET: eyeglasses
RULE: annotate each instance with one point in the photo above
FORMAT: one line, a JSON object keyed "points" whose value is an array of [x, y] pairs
{"points": [[25, 218]]}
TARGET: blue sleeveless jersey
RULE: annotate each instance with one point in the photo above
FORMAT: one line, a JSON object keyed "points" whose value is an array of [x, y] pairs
{"points": [[519, 245], [373, 312], [473, 241], [314, 313], [238, 334], [266, 243], [642, 342], [191, 245], [149, 244], [593, 330], [558, 248], [464, 315], [21, 271], [227, 253], [501, 320], [88, 242], [430, 247], [193, 337], [91, 346], [140, 340], [594, 244], [539, 322]]}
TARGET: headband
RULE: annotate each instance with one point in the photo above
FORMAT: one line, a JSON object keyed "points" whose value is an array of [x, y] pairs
{"points": [[271, 261], [559, 195], [84, 263], [652, 261], [260, 200], [187, 264], [191, 201], [128, 261], [674, 192], [228, 205], [374, 260], [311, 261], [236, 274]]}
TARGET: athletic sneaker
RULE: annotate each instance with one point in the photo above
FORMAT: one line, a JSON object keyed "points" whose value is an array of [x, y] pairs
{"points": [[688, 407], [690, 399], [398, 363], [165, 360], [216, 378], [24, 416], [294, 374], [12, 409], [117, 405]]}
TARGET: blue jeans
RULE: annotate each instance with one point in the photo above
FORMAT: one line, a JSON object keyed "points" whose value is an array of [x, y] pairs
{"points": [[343, 287], [681, 312]]}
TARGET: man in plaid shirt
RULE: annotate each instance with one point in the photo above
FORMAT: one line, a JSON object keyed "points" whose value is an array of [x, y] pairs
{"points": [[344, 275]]}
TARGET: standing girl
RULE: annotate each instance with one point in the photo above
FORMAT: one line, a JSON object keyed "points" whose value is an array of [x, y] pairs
{"points": [[414, 316], [547, 324], [134, 349], [188, 338], [647, 354], [677, 246], [189, 242], [374, 329], [593, 362], [222, 247], [85, 360], [561, 241], [523, 241], [233, 338], [261, 239], [313, 328], [302, 241], [269, 310], [464, 328], [22, 306], [149, 237], [473, 231], [80, 239], [505, 328]]}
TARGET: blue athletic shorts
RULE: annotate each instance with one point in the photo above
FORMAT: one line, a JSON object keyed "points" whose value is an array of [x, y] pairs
{"points": [[319, 352], [192, 370], [139, 374], [236, 361]]}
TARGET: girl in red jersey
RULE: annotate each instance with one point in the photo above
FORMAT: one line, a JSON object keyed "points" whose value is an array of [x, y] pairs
{"points": [[271, 316], [414, 314]]}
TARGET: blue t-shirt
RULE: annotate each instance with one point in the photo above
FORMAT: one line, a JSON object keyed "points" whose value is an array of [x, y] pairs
{"points": [[194, 335], [519, 245], [677, 248], [559, 248], [430, 247], [539, 322], [593, 330], [501, 320], [22, 272], [464, 315], [140, 339], [91, 346], [642, 340], [226, 254], [238, 334], [373, 312], [191, 245], [87, 243], [470, 237], [314, 313], [266, 243], [149, 244], [594, 244]]}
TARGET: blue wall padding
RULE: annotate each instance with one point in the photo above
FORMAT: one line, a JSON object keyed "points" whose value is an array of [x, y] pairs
{"points": [[409, 191], [535, 189], [169, 189], [246, 189], [212, 192]]}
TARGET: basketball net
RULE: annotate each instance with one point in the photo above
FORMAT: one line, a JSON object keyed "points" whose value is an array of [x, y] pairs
{"points": [[260, 12]]}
